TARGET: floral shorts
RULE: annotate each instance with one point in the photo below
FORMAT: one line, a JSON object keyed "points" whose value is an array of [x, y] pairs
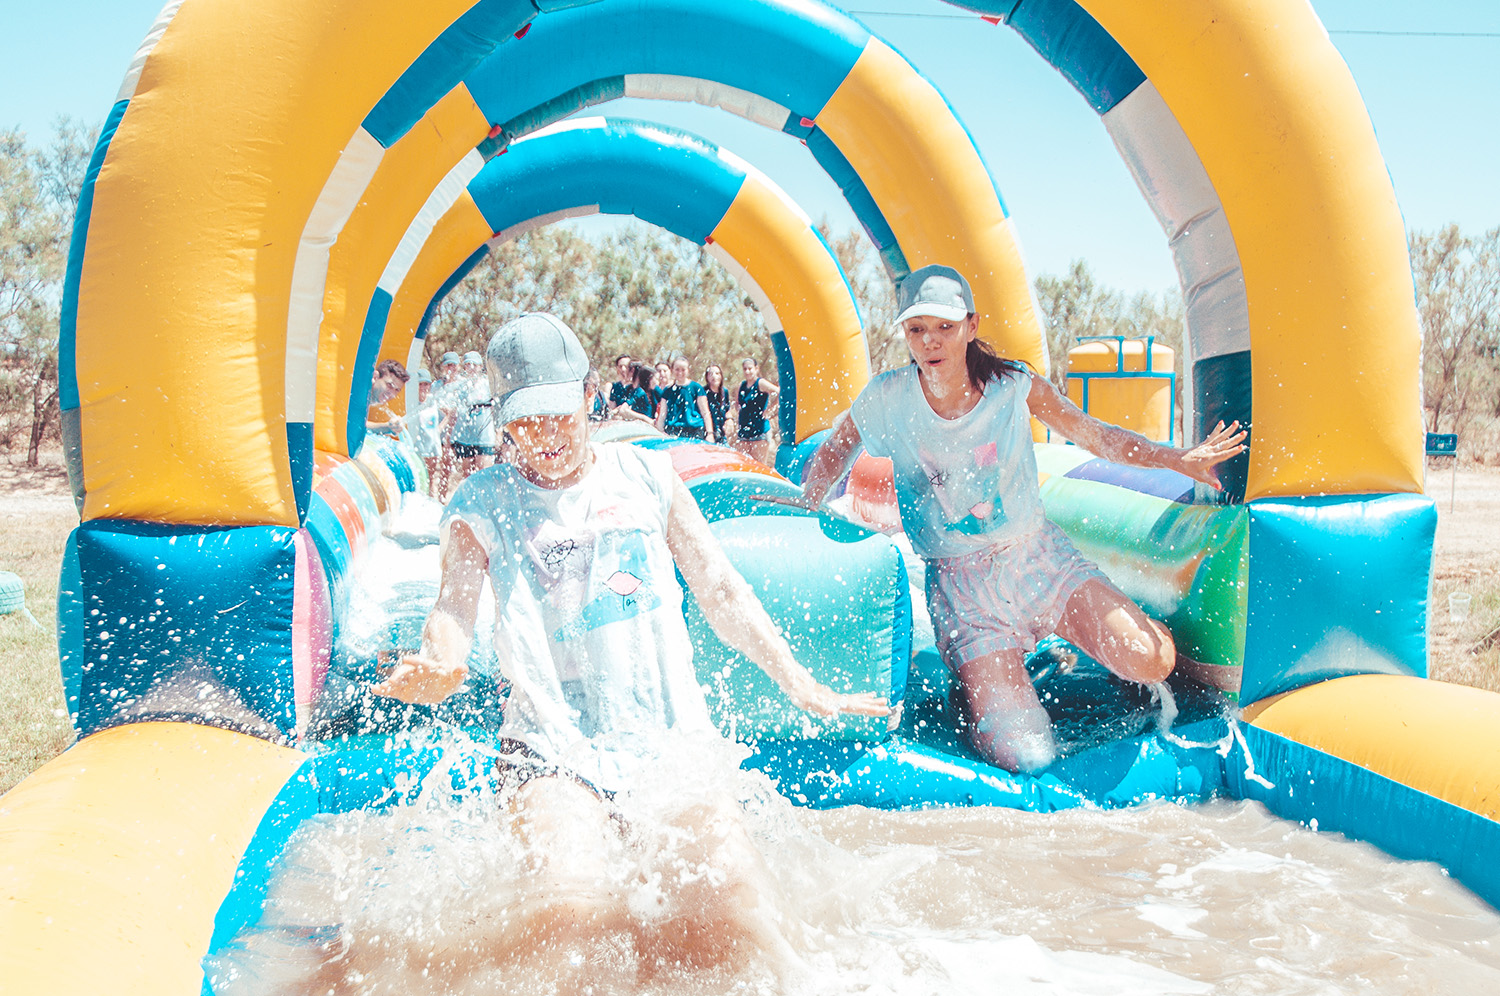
{"points": [[1005, 597]]}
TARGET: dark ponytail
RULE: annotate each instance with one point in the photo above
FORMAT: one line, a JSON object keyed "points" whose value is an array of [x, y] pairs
{"points": [[984, 364]]}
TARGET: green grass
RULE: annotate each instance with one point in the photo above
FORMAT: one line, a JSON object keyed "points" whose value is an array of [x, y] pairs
{"points": [[34, 725]]}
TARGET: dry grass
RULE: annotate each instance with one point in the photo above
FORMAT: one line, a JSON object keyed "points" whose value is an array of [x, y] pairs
{"points": [[1467, 559], [36, 515]]}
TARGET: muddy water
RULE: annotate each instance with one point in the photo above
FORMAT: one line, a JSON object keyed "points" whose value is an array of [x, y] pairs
{"points": [[1221, 898]]}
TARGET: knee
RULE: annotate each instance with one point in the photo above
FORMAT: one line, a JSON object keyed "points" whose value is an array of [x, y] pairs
{"points": [[1019, 740], [1143, 652]]}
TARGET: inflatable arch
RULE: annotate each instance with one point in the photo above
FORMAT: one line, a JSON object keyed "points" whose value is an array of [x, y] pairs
{"points": [[830, 83], [588, 166], [214, 534]]}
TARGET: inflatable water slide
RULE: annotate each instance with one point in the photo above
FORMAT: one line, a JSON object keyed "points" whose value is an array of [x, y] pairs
{"points": [[284, 191]]}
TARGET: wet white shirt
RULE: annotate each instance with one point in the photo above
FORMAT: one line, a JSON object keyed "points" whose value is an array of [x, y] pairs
{"points": [[961, 484], [589, 630]]}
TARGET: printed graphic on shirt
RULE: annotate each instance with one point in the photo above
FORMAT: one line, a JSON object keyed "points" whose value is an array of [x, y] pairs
{"points": [[966, 487], [627, 592]]}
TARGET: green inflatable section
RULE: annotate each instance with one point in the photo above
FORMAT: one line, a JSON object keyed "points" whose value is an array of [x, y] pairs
{"points": [[1187, 565]]}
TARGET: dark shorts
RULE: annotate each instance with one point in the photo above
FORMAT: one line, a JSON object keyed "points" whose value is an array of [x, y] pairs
{"points": [[465, 451], [754, 439], [519, 764], [686, 431]]}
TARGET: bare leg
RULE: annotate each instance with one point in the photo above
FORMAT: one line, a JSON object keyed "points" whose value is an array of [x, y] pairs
{"points": [[1105, 624], [568, 901], [721, 912], [570, 841], [755, 449], [445, 474], [1006, 723], [434, 484]]}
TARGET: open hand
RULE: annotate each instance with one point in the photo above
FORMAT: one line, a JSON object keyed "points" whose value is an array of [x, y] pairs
{"points": [[422, 680], [1201, 463], [814, 697]]}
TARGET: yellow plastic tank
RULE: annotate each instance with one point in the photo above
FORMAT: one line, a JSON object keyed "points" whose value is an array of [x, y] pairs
{"points": [[1126, 381]]}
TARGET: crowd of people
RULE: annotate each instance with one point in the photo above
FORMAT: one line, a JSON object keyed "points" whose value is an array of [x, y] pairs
{"points": [[453, 429]]}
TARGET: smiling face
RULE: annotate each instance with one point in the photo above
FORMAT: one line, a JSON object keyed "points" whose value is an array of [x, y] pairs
{"points": [[622, 369], [552, 451], [680, 372], [663, 375], [384, 387], [751, 370], [940, 345]]}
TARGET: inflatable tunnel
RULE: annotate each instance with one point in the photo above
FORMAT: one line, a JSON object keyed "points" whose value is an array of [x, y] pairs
{"points": [[281, 190], [588, 166]]}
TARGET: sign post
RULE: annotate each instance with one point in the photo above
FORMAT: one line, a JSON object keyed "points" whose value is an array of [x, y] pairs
{"points": [[1446, 444]]}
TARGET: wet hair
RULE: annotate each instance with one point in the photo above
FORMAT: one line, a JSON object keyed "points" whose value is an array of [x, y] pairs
{"points": [[392, 367], [642, 374], [984, 364], [713, 366]]}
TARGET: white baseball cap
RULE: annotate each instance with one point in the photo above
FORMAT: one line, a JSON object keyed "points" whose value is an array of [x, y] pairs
{"points": [[935, 291]]}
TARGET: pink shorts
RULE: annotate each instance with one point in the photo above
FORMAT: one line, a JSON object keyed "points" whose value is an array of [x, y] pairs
{"points": [[1005, 597]]}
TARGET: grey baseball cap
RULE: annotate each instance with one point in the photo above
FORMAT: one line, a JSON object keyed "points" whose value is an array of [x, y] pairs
{"points": [[472, 356], [935, 291], [423, 377], [536, 366], [448, 358]]}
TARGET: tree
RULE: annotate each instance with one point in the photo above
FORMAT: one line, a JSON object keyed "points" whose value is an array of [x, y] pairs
{"points": [[1458, 292], [635, 290], [1076, 305], [38, 196], [875, 295]]}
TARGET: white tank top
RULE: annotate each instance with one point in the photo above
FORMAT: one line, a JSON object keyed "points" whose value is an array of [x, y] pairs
{"points": [[589, 630], [961, 484]]}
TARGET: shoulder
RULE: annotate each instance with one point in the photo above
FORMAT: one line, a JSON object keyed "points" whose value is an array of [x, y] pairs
{"points": [[890, 384], [651, 470]]}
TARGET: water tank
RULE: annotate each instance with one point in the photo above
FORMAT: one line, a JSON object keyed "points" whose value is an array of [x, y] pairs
{"points": [[1126, 381]]}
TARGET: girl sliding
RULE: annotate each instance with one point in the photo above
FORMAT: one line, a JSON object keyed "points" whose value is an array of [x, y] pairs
{"points": [[956, 422]]}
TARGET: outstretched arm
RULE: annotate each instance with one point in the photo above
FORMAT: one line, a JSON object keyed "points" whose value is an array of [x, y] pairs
{"points": [[831, 461], [1111, 442], [437, 672], [736, 615]]}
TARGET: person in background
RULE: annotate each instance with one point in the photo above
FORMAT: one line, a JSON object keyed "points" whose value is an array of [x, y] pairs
{"points": [[446, 393], [639, 403], [956, 422], [386, 382], [650, 378], [598, 408], [684, 405], [750, 403], [473, 427], [424, 426], [621, 388], [718, 401]]}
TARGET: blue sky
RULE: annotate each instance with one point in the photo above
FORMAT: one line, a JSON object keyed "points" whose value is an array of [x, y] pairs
{"points": [[1433, 98]]}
